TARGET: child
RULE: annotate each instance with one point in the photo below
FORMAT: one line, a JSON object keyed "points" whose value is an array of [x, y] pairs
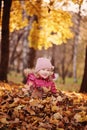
{"points": [[41, 80]]}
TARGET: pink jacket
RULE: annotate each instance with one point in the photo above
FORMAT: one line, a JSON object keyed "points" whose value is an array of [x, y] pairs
{"points": [[40, 82]]}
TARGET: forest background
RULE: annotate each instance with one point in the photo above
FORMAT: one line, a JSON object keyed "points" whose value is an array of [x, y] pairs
{"points": [[43, 28]]}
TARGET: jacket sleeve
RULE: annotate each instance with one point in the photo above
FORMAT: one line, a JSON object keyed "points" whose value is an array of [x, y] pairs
{"points": [[30, 79], [29, 83]]}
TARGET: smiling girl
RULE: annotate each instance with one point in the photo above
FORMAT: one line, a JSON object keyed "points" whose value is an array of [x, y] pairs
{"points": [[42, 79]]}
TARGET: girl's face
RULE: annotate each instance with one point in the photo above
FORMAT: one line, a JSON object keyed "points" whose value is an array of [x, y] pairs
{"points": [[45, 73]]}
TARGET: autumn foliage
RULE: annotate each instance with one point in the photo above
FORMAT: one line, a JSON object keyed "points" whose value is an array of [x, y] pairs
{"points": [[52, 26], [61, 111]]}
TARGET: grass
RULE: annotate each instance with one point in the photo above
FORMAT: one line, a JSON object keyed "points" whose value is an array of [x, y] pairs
{"points": [[68, 86], [15, 77]]}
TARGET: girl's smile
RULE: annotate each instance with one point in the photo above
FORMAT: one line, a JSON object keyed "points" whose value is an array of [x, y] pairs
{"points": [[44, 73]]}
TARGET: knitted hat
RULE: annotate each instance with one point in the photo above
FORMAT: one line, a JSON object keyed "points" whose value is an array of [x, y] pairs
{"points": [[43, 63]]}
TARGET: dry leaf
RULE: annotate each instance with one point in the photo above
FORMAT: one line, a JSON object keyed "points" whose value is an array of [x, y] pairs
{"points": [[61, 112]]}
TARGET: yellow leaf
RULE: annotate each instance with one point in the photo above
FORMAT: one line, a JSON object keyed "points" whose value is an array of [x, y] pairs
{"points": [[54, 108]]}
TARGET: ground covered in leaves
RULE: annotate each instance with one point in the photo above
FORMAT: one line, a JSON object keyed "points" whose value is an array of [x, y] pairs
{"points": [[63, 111]]}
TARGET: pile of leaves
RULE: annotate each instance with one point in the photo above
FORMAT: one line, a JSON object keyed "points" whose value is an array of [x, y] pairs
{"points": [[61, 111]]}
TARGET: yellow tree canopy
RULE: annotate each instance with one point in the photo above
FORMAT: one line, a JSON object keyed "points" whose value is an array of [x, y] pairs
{"points": [[53, 26], [16, 20]]}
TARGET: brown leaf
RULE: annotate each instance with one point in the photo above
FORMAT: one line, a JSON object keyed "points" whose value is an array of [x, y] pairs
{"points": [[4, 120]]}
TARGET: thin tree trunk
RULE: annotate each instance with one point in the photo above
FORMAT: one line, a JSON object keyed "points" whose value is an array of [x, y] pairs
{"points": [[63, 63], [53, 56], [76, 40], [16, 36], [5, 40], [83, 88], [28, 59], [75, 61], [0, 7], [0, 28], [31, 56]]}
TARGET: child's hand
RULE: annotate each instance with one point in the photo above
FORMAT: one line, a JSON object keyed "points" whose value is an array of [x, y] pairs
{"points": [[45, 89], [26, 72], [25, 89]]}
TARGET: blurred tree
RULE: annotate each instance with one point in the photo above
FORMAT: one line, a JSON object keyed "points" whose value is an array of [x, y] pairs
{"points": [[77, 21], [0, 8], [5, 40], [28, 61], [63, 64], [31, 59], [15, 38], [83, 88]]}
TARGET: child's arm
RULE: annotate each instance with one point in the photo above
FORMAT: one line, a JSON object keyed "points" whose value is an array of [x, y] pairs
{"points": [[28, 88], [29, 84], [28, 71]]}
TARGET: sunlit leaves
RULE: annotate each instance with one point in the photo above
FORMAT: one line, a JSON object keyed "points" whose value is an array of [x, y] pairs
{"points": [[52, 28], [43, 33], [77, 1], [16, 20]]}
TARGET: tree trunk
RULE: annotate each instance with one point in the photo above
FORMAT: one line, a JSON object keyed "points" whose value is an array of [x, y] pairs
{"points": [[75, 61], [32, 55], [76, 40], [63, 64], [83, 88], [31, 59], [53, 56], [0, 7], [5, 40]]}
